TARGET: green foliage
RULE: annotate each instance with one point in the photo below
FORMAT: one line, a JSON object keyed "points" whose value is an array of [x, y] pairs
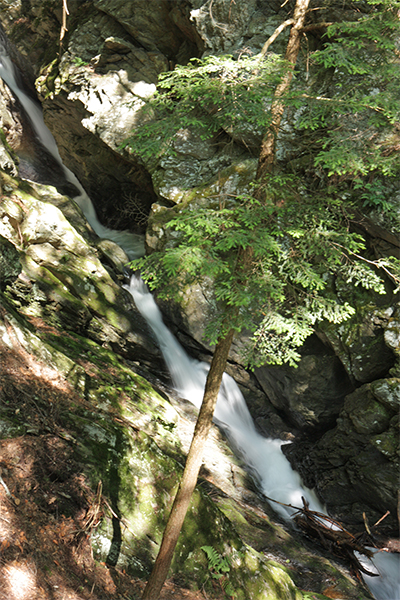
{"points": [[296, 243], [219, 568], [273, 257], [79, 62], [217, 92], [359, 111]]}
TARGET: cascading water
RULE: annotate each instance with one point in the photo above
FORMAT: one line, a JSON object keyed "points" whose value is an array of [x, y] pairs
{"points": [[133, 244], [263, 456]]}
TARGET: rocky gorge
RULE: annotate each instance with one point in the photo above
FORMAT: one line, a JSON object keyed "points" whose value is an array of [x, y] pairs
{"points": [[74, 344]]}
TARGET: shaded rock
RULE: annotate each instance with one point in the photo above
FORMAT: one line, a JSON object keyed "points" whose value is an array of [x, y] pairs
{"points": [[367, 415], [90, 117], [10, 266], [354, 467], [224, 26], [363, 343], [392, 333], [155, 26], [311, 395], [387, 392]]}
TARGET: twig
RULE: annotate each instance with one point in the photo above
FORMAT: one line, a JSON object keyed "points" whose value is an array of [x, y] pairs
{"points": [[375, 263], [4, 519], [123, 521], [381, 519], [64, 29], [7, 491], [378, 109], [366, 524], [213, 21]]}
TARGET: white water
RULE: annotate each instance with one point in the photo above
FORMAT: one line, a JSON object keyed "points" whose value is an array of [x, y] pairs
{"points": [[263, 456], [132, 244]]}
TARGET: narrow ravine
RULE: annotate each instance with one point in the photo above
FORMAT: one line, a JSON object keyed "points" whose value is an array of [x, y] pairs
{"points": [[263, 456]]}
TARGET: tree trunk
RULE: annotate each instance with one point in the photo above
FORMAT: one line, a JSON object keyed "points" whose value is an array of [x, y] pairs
{"points": [[220, 357], [192, 468], [267, 154]]}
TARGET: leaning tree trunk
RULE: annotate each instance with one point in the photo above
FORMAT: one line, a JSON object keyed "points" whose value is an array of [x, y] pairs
{"points": [[192, 468], [220, 357], [267, 154]]}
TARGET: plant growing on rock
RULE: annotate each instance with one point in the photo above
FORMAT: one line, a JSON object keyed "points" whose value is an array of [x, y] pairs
{"points": [[275, 255]]}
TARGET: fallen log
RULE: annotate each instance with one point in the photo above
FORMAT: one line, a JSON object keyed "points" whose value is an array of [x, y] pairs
{"points": [[334, 537]]}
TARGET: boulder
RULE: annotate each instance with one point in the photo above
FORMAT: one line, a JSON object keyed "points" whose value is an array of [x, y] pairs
{"points": [[354, 467], [58, 276], [366, 343], [312, 394]]}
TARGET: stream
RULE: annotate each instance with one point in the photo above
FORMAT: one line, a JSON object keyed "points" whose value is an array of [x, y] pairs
{"points": [[262, 456]]}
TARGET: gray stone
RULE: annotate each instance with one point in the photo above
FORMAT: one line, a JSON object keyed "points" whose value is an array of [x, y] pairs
{"points": [[387, 391], [354, 467], [311, 395]]}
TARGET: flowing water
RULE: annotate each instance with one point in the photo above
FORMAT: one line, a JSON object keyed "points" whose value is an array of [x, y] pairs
{"points": [[133, 244], [263, 456]]}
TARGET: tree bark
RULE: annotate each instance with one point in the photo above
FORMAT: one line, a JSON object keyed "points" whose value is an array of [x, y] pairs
{"points": [[267, 154], [220, 356], [192, 468]]}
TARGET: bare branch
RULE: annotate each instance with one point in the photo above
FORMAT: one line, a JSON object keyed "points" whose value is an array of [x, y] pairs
{"points": [[315, 26], [64, 21], [273, 37]]}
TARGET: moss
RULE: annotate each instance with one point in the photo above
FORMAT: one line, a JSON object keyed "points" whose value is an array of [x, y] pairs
{"points": [[11, 427], [387, 443], [140, 481]]}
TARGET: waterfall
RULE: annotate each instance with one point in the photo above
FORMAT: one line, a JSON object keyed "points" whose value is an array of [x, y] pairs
{"points": [[132, 243], [263, 456]]}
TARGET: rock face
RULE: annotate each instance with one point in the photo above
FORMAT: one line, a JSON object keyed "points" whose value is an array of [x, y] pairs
{"points": [[355, 466], [311, 395], [109, 63], [61, 279]]}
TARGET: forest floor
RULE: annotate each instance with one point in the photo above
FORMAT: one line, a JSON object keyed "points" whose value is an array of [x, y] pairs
{"points": [[48, 510], [45, 554]]}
